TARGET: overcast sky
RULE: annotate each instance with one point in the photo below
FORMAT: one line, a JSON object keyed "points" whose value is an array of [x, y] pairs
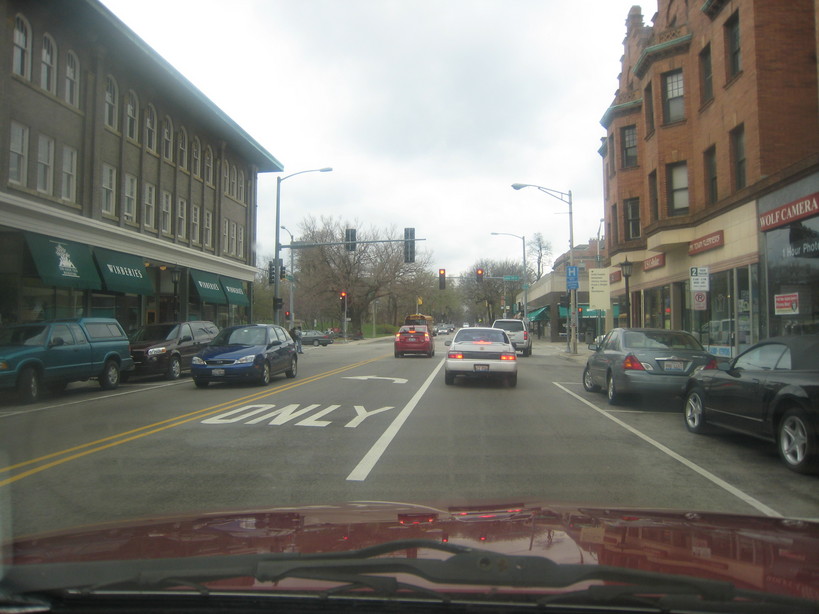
{"points": [[427, 110]]}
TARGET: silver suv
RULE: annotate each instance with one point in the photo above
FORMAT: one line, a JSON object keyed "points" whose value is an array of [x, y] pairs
{"points": [[518, 332]]}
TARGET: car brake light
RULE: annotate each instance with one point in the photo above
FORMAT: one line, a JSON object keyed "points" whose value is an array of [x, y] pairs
{"points": [[508, 357], [630, 363], [525, 336], [711, 364], [455, 355], [426, 336]]}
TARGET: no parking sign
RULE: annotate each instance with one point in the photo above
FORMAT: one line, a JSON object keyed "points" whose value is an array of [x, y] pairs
{"points": [[699, 301]]}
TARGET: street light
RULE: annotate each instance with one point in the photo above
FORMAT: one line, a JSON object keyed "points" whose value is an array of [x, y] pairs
{"points": [[525, 277], [627, 267], [292, 285], [566, 197], [278, 223]]}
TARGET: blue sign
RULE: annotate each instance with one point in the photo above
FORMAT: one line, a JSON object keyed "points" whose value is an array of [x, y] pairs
{"points": [[572, 279]]}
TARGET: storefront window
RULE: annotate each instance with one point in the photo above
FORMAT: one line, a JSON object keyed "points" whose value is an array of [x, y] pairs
{"points": [[657, 307], [45, 303]]}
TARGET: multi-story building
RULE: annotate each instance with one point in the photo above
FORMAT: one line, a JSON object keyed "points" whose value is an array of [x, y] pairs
{"points": [[711, 168], [124, 191]]}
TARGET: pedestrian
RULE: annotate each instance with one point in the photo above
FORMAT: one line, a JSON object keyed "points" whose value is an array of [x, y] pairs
{"points": [[298, 340]]}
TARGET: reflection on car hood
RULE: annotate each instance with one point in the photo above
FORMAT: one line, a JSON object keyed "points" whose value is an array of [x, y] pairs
{"points": [[230, 351], [767, 554]]}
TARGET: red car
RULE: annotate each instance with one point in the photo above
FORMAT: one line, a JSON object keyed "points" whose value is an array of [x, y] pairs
{"points": [[414, 339]]}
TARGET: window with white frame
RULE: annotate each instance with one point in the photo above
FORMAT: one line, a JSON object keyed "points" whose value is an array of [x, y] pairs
{"points": [[165, 214], [150, 128], [182, 149], [132, 117], [111, 97], [195, 213], [631, 209], [45, 164], [225, 177], [18, 154], [167, 139], [148, 205], [677, 188], [241, 195], [48, 65], [108, 195], [232, 245], [72, 79], [68, 183], [673, 97], [233, 180], [240, 247], [129, 201], [181, 218], [209, 165], [21, 60], [225, 235], [208, 229], [196, 157]]}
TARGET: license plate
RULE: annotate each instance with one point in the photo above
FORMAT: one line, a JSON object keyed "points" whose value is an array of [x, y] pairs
{"points": [[674, 365], [411, 339], [218, 372], [481, 368]]}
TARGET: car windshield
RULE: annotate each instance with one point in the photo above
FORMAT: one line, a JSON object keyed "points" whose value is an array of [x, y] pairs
{"points": [[23, 335], [660, 340], [474, 335], [155, 332], [240, 336]]}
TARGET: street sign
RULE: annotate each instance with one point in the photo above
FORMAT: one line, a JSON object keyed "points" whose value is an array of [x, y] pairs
{"points": [[511, 278], [699, 301], [572, 278], [599, 289], [699, 278]]}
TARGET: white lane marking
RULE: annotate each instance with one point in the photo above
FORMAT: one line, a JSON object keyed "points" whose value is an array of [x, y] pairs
{"points": [[394, 380], [366, 464], [755, 503]]}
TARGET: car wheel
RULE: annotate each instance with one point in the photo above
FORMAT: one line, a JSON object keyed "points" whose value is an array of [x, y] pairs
{"points": [[694, 412], [200, 383], [174, 368], [399, 355], [512, 380], [294, 368], [588, 381], [264, 376], [449, 378], [316, 342], [110, 375], [615, 398], [797, 442], [528, 351], [29, 385]]}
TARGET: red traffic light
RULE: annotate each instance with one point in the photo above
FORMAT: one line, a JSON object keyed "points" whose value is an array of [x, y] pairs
{"points": [[479, 274], [342, 294]]}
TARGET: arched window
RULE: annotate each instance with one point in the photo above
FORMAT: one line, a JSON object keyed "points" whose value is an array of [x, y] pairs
{"points": [[182, 149], [233, 189], [225, 177], [209, 165], [196, 157], [48, 65], [150, 128], [111, 96], [72, 80], [167, 139], [22, 48], [241, 195], [132, 116]]}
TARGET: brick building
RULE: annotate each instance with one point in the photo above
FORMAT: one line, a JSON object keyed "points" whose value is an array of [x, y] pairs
{"points": [[124, 191], [711, 160]]}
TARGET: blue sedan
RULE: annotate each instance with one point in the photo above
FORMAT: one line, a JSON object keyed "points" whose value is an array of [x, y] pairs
{"points": [[253, 352]]}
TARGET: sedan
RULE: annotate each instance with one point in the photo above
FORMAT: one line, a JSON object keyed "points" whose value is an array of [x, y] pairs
{"points": [[770, 391], [481, 352], [316, 338], [253, 352], [414, 339], [643, 361]]}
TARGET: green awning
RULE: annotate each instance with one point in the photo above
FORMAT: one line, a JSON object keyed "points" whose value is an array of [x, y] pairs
{"points": [[208, 287], [123, 272], [234, 291], [63, 263], [539, 314]]}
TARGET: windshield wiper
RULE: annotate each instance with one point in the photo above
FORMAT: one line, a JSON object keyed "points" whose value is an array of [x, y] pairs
{"points": [[358, 568]]}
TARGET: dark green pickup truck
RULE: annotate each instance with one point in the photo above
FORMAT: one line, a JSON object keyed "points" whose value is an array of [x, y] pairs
{"points": [[56, 352]]}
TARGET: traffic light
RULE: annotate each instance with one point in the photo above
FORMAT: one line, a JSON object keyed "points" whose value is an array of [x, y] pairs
{"points": [[287, 314], [278, 304], [342, 295], [479, 274], [283, 273], [564, 300], [442, 279], [409, 244], [271, 273], [349, 239]]}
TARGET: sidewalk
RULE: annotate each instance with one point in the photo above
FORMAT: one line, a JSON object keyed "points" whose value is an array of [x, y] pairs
{"points": [[558, 348]]}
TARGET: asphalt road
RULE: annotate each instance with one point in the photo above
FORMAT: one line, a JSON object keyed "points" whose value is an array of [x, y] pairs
{"points": [[358, 424]]}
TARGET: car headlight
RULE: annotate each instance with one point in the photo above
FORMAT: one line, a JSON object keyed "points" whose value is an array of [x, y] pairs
{"points": [[198, 361], [245, 360], [3, 365], [156, 351]]}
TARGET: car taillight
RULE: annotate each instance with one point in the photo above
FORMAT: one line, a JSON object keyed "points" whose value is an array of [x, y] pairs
{"points": [[525, 335], [711, 364], [455, 355], [426, 336], [508, 357], [630, 363]]}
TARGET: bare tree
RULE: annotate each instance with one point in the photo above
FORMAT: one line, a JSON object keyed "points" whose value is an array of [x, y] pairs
{"points": [[540, 252]]}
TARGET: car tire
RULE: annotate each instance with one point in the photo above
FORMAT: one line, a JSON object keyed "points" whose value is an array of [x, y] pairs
{"points": [[449, 378], [294, 368], [316, 342], [29, 385], [512, 380], [264, 376], [528, 351], [796, 441], [614, 396], [399, 355], [109, 379], [174, 368], [200, 383], [694, 412], [588, 381]]}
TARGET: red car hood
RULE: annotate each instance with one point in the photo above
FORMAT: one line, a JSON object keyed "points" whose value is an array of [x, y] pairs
{"points": [[767, 554]]}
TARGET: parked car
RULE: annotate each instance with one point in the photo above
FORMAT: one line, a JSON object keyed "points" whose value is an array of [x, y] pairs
{"points": [[57, 352], [168, 348], [643, 361], [481, 352], [252, 352], [414, 339], [770, 391], [316, 337], [518, 332]]}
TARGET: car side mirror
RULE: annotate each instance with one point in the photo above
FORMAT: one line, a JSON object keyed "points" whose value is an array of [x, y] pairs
{"points": [[274, 343], [447, 342], [58, 341], [186, 338], [594, 347]]}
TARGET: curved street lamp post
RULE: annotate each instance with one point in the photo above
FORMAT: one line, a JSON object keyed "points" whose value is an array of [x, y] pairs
{"points": [[525, 277], [292, 284]]}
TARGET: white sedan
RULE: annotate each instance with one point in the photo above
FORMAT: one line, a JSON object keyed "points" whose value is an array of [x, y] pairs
{"points": [[481, 352]]}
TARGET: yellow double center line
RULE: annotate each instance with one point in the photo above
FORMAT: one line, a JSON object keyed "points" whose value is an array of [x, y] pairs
{"points": [[58, 458]]}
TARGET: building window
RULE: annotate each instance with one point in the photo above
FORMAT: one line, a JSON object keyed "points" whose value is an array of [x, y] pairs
{"points": [[233, 181], [150, 128], [628, 141], [18, 154], [653, 196], [225, 178], [732, 47], [45, 164], [21, 61], [232, 248], [631, 209], [673, 100], [208, 228], [710, 167], [209, 166], [68, 189], [241, 194], [148, 205], [182, 149], [706, 76], [196, 157], [181, 218], [677, 189], [130, 198], [48, 65], [648, 102], [612, 156], [738, 157], [165, 215], [225, 235], [241, 242], [167, 139], [614, 230], [195, 213], [111, 96], [132, 117], [109, 183], [72, 79]]}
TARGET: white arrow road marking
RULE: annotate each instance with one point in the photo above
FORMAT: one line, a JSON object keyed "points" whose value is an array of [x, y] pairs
{"points": [[394, 380]]}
